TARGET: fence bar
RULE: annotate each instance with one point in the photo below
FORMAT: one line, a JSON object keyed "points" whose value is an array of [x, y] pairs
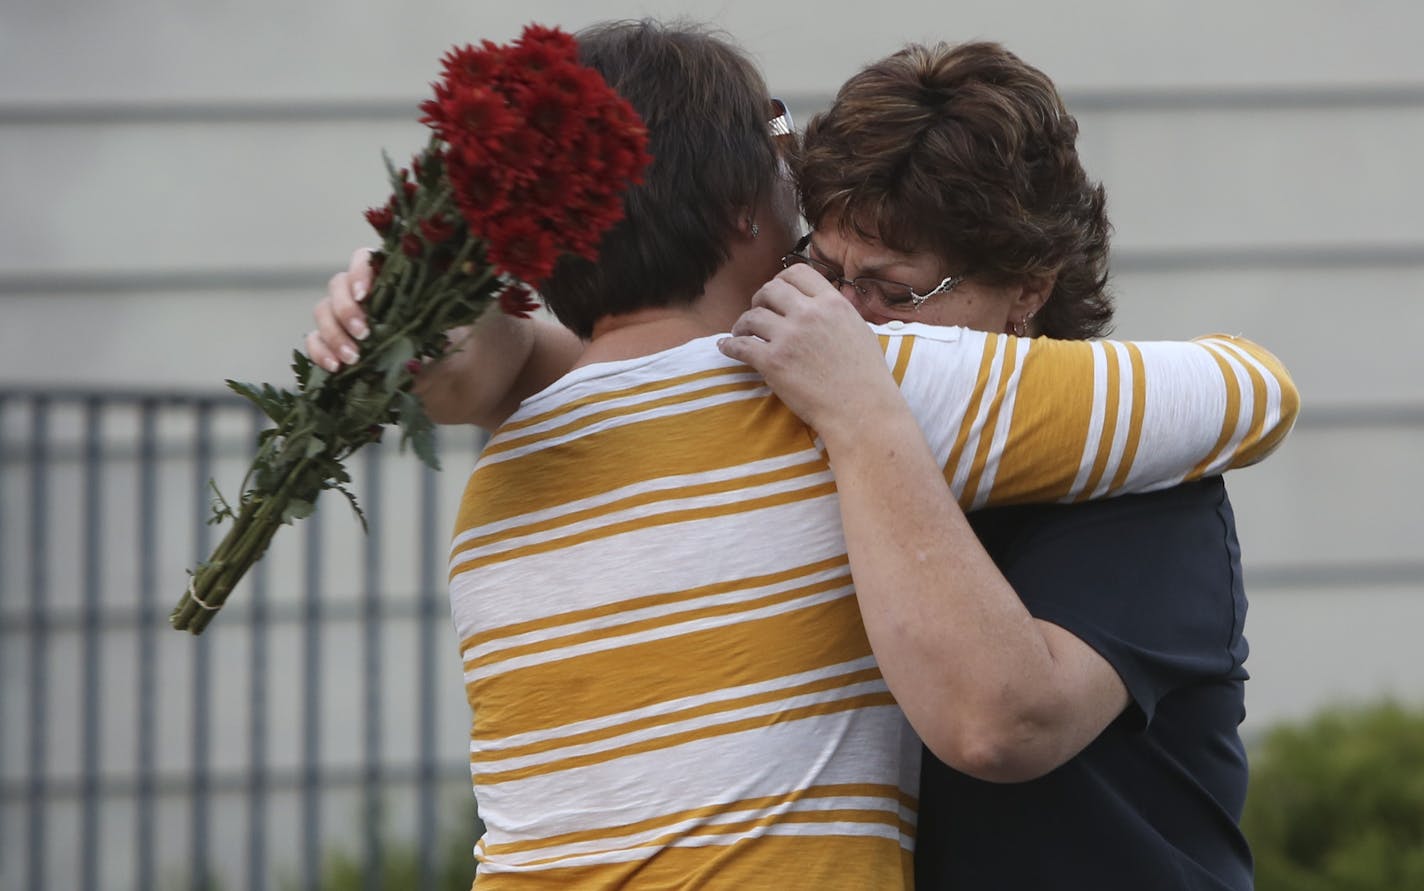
{"points": [[427, 545], [91, 718], [311, 712], [371, 600], [147, 630], [202, 655], [257, 782], [35, 806], [4, 593]]}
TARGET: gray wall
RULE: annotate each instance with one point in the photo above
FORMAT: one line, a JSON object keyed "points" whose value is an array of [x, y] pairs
{"points": [[180, 178]]}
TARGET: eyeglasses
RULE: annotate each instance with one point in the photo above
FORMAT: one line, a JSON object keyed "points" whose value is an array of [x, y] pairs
{"points": [[891, 295]]}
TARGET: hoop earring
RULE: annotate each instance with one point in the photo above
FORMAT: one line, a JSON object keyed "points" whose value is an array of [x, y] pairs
{"points": [[1021, 326]]}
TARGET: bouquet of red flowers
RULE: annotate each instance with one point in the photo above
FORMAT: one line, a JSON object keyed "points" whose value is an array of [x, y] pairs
{"points": [[530, 156]]}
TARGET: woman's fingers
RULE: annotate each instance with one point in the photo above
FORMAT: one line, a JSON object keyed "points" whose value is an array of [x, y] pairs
{"points": [[791, 287], [340, 317], [330, 345], [758, 321], [745, 349], [360, 274]]}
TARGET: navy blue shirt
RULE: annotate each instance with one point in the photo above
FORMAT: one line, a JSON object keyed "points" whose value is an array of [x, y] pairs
{"points": [[1153, 583]]}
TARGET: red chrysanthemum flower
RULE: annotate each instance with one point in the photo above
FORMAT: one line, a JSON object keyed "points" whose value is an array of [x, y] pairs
{"points": [[553, 188], [471, 65], [517, 300], [553, 38], [537, 150], [533, 60], [548, 111], [519, 245], [517, 149], [481, 189], [411, 245], [437, 229], [381, 219]]}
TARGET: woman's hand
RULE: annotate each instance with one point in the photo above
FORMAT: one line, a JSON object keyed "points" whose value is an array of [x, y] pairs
{"points": [[490, 366], [340, 318], [816, 352]]}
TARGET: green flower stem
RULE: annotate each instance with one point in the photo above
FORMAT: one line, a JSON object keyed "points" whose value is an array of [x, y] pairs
{"points": [[247, 540]]}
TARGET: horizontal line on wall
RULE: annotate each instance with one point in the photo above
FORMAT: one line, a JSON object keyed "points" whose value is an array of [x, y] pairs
{"points": [[1318, 576], [1283, 257], [188, 112], [167, 281], [296, 278], [289, 611], [1248, 98], [1359, 417], [1146, 99], [275, 780]]}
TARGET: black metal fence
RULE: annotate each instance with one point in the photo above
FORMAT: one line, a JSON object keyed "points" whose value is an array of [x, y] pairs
{"points": [[321, 712], [320, 716]]}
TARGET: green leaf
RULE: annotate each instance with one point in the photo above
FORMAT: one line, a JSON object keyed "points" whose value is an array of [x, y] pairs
{"points": [[417, 429], [221, 509], [297, 509], [351, 499], [315, 447], [273, 402], [363, 406], [392, 172], [300, 364], [315, 377], [393, 360]]}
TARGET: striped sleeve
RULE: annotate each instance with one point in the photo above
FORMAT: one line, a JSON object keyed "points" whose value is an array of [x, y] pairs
{"points": [[1015, 420]]}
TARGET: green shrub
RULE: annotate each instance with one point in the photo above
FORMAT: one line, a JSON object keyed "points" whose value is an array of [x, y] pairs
{"points": [[1337, 803], [454, 862]]}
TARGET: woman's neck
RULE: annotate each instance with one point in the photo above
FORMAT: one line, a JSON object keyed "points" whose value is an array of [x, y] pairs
{"points": [[642, 333], [652, 330]]}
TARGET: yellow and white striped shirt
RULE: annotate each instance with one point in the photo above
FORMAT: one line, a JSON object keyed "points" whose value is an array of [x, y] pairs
{"points": [[670, 683]]}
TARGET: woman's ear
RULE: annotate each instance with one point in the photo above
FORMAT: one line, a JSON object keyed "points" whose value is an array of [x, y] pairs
{"points": [[1032, 295], [746, 223], [1036, 292]]}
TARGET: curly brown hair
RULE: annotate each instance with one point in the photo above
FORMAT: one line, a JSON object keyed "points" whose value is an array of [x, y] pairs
{"points": [[969, 153]]}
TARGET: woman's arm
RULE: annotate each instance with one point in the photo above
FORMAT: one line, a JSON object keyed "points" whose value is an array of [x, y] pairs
{"points": [[991, 690], [493, 365]]}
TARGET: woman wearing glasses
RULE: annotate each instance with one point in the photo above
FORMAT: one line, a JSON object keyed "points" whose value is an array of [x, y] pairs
{"points": [[1079, 683]]}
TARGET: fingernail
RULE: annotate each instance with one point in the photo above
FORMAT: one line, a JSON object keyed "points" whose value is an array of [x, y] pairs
{"points": [[349, 354], [332, 365], [359, 291], [359, 330]]}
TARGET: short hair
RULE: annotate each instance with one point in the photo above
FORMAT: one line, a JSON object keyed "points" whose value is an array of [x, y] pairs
{"points": [[969, 153], [706, 107]]}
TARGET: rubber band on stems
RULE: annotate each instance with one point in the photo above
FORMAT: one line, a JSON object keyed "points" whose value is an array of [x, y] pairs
{"points": [[193, 595]]}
